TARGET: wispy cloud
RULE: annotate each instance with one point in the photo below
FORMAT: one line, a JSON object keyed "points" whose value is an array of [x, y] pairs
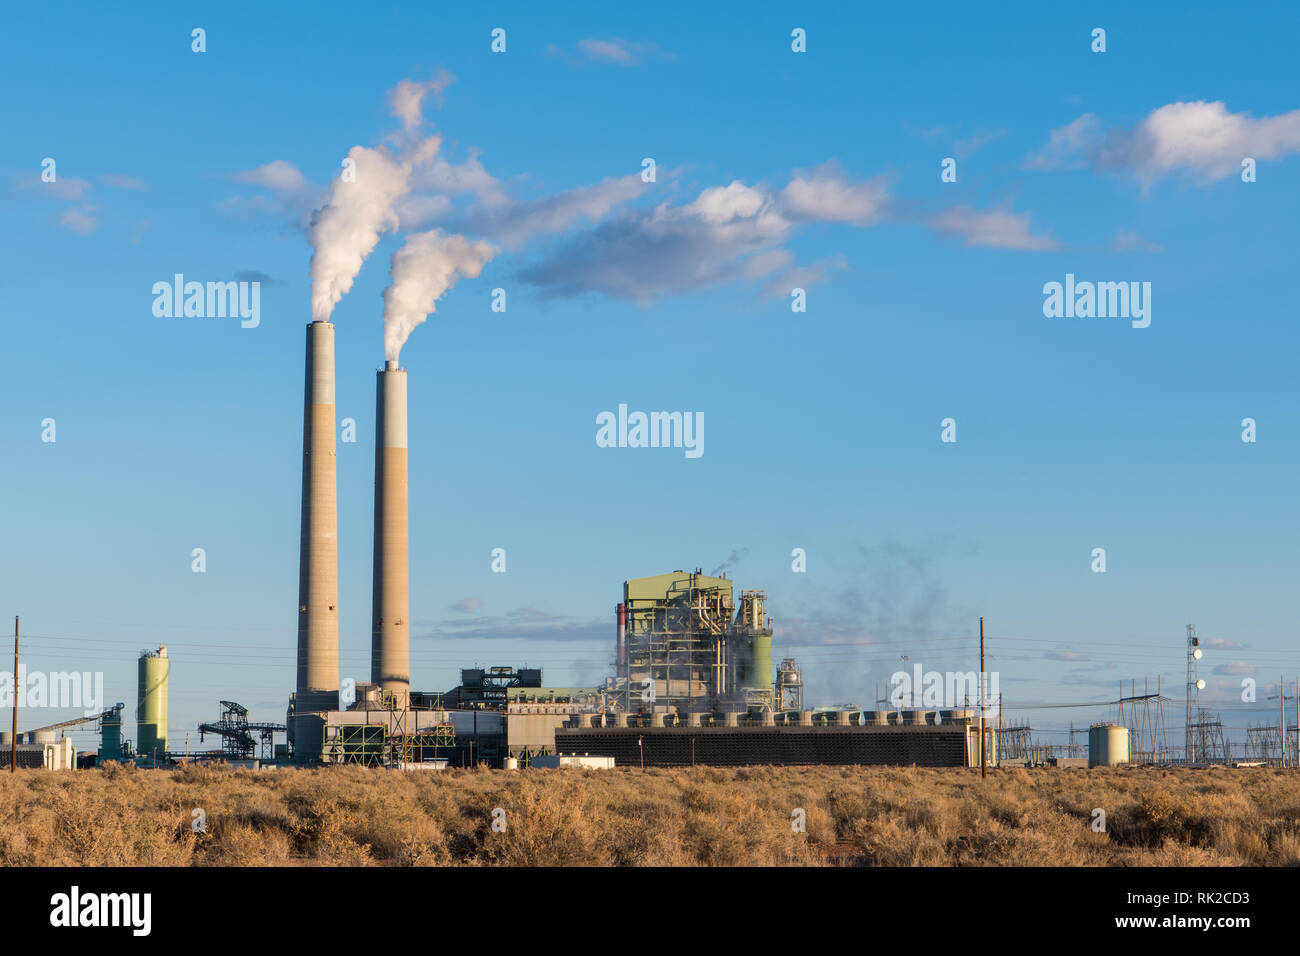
{"points": [[279, 175], [122, 182], [78, 220], [991, 228], [525, 623], [613, 50], [1127, 240], [66, 188]]}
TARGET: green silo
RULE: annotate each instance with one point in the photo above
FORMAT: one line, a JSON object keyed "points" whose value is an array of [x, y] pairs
{"points": [[110, 736], [151, 711], [760, 673]]}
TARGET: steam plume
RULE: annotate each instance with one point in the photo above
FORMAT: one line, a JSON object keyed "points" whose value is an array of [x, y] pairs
{"points": [[422, 270], [345, 230]]}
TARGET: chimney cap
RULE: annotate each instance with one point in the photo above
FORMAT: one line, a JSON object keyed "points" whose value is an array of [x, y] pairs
{"points": [[390, 365]]}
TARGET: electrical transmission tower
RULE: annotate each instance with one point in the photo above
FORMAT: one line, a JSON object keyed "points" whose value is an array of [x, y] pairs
{"points": [[1015, 743], [1264, 743], [1209, 745], [1144, 716], [1076, 750]]}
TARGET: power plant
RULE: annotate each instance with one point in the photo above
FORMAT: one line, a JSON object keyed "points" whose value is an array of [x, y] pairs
{"points": [[692, 679]]}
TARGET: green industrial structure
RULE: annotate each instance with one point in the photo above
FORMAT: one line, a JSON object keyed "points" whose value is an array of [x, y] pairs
{"points": [[151, 707], [685, 645]]}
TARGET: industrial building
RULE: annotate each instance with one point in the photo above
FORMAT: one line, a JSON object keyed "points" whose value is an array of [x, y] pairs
{"points": [[791, 739], [684, 645]]}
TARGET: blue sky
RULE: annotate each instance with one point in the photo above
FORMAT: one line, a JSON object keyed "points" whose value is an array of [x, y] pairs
{"points": [[775, 169]]}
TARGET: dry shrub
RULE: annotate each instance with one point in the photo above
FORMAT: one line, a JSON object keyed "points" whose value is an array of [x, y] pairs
{"points": [[701, 816]]}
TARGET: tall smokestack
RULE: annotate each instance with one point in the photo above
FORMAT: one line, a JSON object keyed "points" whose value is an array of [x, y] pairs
{"points": [[390, 638], [318, 557]]}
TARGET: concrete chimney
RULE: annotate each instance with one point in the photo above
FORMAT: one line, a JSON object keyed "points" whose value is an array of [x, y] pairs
{"points": [[318, 556], [390, 637]]}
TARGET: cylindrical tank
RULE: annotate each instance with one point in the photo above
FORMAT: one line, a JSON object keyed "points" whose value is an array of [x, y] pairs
{"points": [[512, 763], [110, 738], [760, 670], [694, 720], [151, 709], [390, 640], [1107, 745], [6, 738]]}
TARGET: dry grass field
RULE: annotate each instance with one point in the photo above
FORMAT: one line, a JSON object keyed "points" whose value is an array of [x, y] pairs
{"points": [[863, 816]]}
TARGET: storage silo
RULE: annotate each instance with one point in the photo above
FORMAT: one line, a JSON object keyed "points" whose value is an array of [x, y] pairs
{"points": [[110, 736], [1107, 745], [151, 708]]}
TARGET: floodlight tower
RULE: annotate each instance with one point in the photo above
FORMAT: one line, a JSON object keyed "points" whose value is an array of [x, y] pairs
{"points": [[1194, 686]]}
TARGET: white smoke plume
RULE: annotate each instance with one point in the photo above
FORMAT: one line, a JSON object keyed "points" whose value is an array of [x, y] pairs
{"points": [[346, 229], [426, 267], [406, 99]]}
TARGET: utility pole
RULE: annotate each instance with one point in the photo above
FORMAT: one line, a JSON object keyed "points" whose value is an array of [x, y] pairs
{"points": [[1281, 719], [13, 737], [983, 767]]}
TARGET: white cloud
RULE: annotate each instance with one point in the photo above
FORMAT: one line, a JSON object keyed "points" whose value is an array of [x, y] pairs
{"points": [[1201, 138], [823, 195], [618, 51], [279, 175], [516, 221], [612, 51], [1067, 145], [78, 221], [466, 178], [993, 228]]}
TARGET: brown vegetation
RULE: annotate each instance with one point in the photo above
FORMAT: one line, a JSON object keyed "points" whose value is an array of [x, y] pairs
{"points": [[873, 816]]}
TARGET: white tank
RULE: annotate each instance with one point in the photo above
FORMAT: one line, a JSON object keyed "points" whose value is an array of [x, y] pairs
{"points": [[1107, 745]]}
